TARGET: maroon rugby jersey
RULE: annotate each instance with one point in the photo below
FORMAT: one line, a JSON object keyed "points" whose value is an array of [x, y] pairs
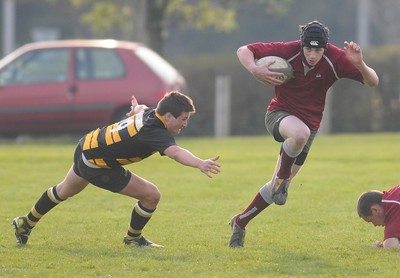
{"points": [[304, 95], [391, 208]]}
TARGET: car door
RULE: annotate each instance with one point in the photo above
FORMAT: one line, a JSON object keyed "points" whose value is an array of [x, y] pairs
{"points": [[101, 86], [34, 92]]}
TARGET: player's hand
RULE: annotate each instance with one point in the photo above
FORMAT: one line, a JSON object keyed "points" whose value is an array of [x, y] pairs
{"points": [[378, 244], [353, 52], [134, 103], [264, 75], [209, 166]]}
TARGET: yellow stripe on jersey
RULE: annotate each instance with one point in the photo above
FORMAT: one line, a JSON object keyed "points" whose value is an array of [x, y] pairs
{"points": [[99, 162], [91, 140], [132, 130], [109, 139], [115, 135], [112, 134], [124, 161], [135, 159]]}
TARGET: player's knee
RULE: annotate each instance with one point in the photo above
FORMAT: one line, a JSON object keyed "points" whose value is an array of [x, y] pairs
{"points": [[302, 136], [157, 195], [153, 196]]}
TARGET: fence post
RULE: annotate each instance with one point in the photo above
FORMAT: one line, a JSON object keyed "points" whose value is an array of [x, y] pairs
{"points": [[8, 21], [222, 112], [326, 123]]}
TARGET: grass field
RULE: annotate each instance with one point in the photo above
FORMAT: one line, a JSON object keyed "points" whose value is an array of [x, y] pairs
{"points": [[317, 233]]}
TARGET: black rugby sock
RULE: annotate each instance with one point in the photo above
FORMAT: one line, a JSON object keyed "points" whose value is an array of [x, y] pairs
{"points": [[47, 201], [140, 217]]}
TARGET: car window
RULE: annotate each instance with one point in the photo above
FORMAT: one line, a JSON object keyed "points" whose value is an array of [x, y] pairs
{"points": [[50, 65], [160, 66], [97, 63]]}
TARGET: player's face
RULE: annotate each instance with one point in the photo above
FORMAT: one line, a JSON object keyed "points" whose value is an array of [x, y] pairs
{"points": [[175, 125], [377, 218], [313, 55]]}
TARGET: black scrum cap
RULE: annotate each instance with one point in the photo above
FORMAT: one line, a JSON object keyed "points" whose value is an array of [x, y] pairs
{"points": [[314, 34]]}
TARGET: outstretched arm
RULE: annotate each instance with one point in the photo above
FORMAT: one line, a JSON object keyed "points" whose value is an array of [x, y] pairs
{"points": [[354, 54], [185, 157], [135, 107], [392, 242]]}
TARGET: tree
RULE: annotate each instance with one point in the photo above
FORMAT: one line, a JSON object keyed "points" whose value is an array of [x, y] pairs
{"points": [[150, 20]]}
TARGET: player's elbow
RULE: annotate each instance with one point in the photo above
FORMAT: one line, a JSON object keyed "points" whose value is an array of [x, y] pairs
{"points": [[372, 80], [373, 83], [241, 50], [392, 242]]}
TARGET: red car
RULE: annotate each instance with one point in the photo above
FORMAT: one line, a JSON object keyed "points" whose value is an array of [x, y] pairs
{"points": [[78, 85]]}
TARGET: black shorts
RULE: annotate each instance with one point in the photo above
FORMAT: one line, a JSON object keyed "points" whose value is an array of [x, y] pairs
{"points": [[114, 179]]}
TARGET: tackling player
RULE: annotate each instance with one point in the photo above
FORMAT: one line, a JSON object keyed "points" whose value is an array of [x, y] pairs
{"points": [[101, 154]]}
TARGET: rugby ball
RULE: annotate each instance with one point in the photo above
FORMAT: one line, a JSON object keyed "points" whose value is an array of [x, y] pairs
{"points": [[280, 65]]}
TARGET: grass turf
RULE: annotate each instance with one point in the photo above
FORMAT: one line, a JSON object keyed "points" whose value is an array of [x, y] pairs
{"points": [[317, 233]]}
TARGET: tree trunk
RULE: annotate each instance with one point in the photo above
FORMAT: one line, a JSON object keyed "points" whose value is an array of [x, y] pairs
{"points": [[139, 20], [155, 24]]}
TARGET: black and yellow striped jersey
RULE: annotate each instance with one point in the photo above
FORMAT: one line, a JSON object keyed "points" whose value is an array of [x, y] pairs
{"points": [[127, 141]]}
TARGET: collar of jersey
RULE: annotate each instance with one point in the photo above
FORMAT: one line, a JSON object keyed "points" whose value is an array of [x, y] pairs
{"points": [[161, 119]]}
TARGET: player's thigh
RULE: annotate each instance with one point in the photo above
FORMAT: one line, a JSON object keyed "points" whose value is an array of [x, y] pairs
{"points": [[71, 185], [293, 127]]}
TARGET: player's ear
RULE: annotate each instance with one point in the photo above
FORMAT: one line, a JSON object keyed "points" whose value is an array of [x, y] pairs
{"points": [[375, 209], [167, 116]]}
